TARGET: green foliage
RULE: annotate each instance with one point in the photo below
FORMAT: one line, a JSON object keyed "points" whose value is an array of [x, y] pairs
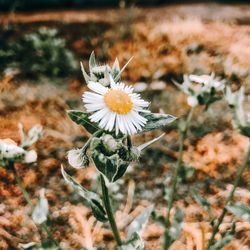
{"points": [[112, 167], [81, 118], [37, 54], [175, 229], [204, 204], [92, 199], [32, 137], [40, 212], [156, 121], [135, 230], [239, 210], [45, 245]]}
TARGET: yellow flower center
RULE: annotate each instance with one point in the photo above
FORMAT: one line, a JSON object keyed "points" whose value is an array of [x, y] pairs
{"points": [[118, 101]]}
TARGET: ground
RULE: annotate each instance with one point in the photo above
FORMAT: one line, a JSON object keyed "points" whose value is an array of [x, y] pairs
{"points": [[166, 42]]}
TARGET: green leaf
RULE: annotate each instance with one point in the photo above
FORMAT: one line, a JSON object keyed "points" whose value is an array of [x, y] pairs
{"points": [[175, 230], [119, 75], [116, 70], [85, 75], [160, 219], [205, 204], [112, 167], [41, 210], [147, 144], [156, 121], [134, 243], [223, 242], [92, 61], [139, 223], [245, 130], [81, 118], [92, 199], [240, 210]]}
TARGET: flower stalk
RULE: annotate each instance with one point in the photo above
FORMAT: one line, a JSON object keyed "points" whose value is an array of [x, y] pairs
{"points": [[183, 135], [229, 199], [108, 208]]}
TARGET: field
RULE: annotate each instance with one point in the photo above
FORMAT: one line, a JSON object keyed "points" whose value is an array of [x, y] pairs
{"points": [[167, 42]]}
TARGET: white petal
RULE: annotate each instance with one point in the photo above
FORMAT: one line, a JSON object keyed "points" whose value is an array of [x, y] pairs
{"points": [[97, 116], [111, 122], [94, 107], [98, 88]]}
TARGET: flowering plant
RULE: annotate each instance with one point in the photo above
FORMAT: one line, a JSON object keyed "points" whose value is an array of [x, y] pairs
{"points": [[113, 113], [202, 90]]}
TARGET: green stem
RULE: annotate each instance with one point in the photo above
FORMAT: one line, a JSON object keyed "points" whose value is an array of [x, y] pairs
{"points": [[183, 134], [229, 199], [109, 212], [28, 200], [20, 185]]}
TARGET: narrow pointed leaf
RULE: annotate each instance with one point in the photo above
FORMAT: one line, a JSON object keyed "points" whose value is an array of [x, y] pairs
{"points": [[116, 69], [92, 199], [118, 75], [147, 144], [41, 210], [85, 75], [92, 61], [81, 118], [240, 210], [204, 204], [156, 121], [134, 243], [223, 242], [139, 223]]}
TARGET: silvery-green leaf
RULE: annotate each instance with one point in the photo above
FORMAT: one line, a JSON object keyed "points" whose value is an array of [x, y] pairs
{"points": [[240, 210], [134, 243], [112, 167], [92, 199], [33, 135], [147, 144], [118, 75], [116, 69], [82, 118], [156, 121], [85, 75], [28, 246], [175, 230], [223, 242], [205, 204], [40, 212], [92, 61], [139, 223], [21, 132]]}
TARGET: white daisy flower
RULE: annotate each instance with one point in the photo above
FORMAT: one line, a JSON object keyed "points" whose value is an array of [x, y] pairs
{"points": [[116, 107]]}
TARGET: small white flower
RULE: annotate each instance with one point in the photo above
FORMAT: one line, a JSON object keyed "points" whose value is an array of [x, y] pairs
{"points": [[208, 81], [116, 107], [77, 159], [9, 149], [30, 156], [192, 101]]}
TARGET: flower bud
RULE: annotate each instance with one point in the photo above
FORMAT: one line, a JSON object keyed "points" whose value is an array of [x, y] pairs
{"points": [[9, 150], [30, 156], [192, 101], [110, 144], [77, 158]]}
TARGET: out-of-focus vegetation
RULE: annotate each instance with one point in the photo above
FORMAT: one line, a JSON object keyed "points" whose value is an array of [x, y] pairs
{"points": [[38, 53]]}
